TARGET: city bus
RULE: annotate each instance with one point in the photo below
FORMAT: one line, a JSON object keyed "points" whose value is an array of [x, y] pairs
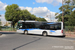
{"points": [[41, 28]]}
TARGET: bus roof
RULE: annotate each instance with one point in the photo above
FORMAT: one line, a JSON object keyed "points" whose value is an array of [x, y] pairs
{"points": [[53, 22], [27, 21]]}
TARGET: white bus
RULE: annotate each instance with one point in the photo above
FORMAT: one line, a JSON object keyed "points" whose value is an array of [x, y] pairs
{"points": [[41, 28]]}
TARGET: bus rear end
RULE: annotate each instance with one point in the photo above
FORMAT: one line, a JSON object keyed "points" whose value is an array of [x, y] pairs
{"points": [[56, 29]]}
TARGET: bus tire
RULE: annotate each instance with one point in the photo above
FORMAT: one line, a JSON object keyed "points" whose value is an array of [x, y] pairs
{"points": [[25, 32], [44, 33]]}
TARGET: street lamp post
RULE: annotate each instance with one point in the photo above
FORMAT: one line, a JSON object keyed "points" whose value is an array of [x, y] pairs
{"points": [[50, 16]]}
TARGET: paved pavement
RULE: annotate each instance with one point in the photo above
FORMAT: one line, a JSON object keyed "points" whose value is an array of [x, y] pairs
{"points": [[14, 41]]}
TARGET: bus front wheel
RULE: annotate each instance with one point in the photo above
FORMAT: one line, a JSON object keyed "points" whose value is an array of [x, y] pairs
{"points": [[25, 32], [44, 33]]}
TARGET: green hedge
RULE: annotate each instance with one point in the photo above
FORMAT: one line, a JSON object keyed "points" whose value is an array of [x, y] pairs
{"points": [[0, 27], [69, 28]]}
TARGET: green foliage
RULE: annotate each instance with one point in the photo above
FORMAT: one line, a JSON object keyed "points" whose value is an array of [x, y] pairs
{"points": [[40, 19], [71, 20], [69, 28], [0, 27], [33, 17], [0, 22], [68, 13], [25, 15], [14, 14], [5, 28], [11, 12]]}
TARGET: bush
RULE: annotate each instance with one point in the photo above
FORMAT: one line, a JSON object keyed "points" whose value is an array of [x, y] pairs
{"points": [[69, 28]]}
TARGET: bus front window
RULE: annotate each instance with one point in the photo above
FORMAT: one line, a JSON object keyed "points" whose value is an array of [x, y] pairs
{"points": [[19, 26]]}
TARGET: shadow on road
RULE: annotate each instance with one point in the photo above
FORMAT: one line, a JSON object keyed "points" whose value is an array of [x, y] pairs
{"points": [[27, 43], [58, 36], [45, 36], [8, 32]]}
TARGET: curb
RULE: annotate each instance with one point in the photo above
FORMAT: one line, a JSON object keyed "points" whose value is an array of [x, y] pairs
{"points": [[69, 36], [0, 34]]}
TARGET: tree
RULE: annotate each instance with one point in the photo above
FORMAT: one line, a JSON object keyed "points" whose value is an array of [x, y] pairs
{"points": [[71, 20], [12, 13], [67, 8], [25, 15], [0, 22], [40, 19], [33, 17]]}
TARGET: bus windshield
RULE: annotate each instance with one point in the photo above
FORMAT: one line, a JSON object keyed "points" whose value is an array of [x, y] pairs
{"points": [[20, 25]]}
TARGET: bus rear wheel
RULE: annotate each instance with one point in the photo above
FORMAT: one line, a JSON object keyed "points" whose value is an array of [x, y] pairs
{"points": [[44, 33], [25, 32]]}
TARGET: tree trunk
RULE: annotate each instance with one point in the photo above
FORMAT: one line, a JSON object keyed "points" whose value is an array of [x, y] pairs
{"points": [[13, 24]]}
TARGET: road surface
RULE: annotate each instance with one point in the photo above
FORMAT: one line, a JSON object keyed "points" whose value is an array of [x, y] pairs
{"points": [[14, 41]]}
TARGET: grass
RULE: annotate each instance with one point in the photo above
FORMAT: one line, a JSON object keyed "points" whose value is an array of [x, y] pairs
{"points": [[8, 29]]}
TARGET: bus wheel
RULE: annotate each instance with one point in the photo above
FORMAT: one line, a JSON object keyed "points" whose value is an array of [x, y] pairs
{"points": [[25, 32], [44, 33]]}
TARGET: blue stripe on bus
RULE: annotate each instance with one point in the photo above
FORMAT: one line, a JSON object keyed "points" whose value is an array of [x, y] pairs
{"points": [[51, 23], [35, 29], [52, 31]]}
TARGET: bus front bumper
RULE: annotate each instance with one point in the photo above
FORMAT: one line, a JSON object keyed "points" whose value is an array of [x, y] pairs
{"points": [[20, 31]]}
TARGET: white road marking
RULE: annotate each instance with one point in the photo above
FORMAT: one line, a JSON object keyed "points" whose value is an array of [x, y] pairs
{"points": [[65, 40]]}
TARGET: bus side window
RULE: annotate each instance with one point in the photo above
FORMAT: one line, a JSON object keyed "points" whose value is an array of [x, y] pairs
{"points": [[42, 27], [47, 27], [52, 27], [26, 26], [33, 25], [57, 26]]}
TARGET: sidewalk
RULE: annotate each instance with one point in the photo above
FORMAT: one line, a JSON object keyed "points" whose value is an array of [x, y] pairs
{"points": [[70, 34], [7, 31]]}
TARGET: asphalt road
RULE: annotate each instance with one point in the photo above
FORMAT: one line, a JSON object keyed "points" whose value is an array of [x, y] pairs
{"points": [[14, 41]]}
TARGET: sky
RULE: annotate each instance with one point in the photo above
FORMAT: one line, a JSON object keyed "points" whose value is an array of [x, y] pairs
{"points": [[40, 8]]}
